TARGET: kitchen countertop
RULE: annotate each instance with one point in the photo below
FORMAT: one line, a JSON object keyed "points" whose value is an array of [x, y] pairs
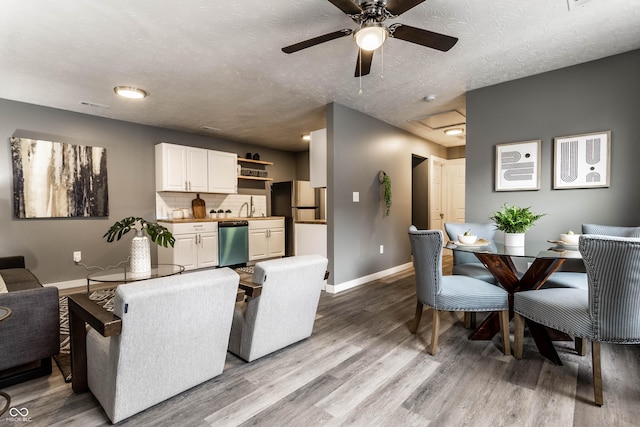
{"points": [[188, 220], [313, 221]]}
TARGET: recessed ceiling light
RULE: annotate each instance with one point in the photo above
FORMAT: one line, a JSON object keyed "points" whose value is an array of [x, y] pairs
{"points": [[306, 137], [454, 131], [130, 92]]}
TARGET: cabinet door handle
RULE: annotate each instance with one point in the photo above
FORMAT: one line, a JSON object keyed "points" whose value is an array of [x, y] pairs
{"points": [[186, 185]]}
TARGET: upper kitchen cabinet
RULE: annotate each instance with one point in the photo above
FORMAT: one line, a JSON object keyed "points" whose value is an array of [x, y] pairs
{"points": [[181, 168], [223, 172], [318, 158]]}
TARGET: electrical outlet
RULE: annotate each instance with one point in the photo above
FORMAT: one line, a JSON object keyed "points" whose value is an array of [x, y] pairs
{"points": [[381, 249], [77, 256]]}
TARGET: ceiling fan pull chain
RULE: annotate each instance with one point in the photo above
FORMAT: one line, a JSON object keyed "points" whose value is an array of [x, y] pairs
{"points": [[382, 62], [360, 73]]}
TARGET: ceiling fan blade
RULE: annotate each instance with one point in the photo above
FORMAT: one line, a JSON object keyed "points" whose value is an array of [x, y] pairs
{"points": [[363, 62], [398, 7], [422, 37], [317, 40], [347, 6]]}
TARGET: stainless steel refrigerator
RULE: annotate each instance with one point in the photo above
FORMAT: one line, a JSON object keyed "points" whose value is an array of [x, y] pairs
{"points": [[295, 201]]}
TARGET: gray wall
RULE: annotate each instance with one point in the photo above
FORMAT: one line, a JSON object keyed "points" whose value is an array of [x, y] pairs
{"points": [[358, 147], [595, 96], [48, 244]]}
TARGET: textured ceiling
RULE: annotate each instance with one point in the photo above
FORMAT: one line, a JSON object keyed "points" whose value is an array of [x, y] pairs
{"points": [[219, 64]]}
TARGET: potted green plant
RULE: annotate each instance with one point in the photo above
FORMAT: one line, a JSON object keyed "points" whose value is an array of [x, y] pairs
{"points": [[514, 221], [140, 255]]}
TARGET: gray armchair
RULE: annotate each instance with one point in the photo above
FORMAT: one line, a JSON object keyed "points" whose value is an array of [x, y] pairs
{"points": [[174, 335], [451, 293], [606, 312], [466, 264], [31, 335], [285, 311]]}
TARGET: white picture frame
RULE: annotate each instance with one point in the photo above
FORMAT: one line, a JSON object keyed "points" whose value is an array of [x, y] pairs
{"points": [[518, 166], [582, 161]]}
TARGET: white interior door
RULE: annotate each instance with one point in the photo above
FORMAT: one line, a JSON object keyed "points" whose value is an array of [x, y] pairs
{"points": [[436, 208], [454, 172]]}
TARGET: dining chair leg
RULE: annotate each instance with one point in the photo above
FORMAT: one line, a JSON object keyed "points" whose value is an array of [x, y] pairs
{"points": [[518, 335], [597, 373], [470, 319], [581, 346], [435, 330], [504, 332], [416, 319]]}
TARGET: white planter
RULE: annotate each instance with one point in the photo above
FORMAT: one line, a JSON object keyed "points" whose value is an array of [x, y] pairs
{"points": [[140, 254], [514, 239]]}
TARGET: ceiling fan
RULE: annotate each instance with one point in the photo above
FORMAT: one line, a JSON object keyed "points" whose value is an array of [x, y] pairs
{"points": [[372, 31]]}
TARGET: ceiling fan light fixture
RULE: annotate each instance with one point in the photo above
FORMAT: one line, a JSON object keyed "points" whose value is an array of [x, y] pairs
{"points": [[371, 35], [130, 92], [454, 131]]}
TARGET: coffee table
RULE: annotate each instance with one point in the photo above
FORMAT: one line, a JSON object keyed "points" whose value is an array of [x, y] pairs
{"points": [[120, 275]]}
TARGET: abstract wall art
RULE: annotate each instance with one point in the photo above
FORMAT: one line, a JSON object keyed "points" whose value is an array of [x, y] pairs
{"points": [[518, 166], [581, 161], [58, 180]]}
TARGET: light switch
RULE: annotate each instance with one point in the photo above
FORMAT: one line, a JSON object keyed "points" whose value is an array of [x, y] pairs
{"points": [[356, 196]]}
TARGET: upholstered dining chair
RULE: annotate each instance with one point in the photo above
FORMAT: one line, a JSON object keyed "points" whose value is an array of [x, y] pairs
{"points": [[285, 310], [576, 279], [606, 312], [466, 264], [451, 293]]}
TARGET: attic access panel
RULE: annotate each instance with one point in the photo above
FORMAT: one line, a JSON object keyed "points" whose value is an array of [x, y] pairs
{"points": [[443, 120]]}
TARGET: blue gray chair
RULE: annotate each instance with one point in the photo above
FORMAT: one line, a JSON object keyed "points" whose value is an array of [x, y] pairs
{"points": [[451, 293], [606, 312], [466, 264], [578, 280]]}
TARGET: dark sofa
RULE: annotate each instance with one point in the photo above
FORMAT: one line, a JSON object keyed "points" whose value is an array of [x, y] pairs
{"points": [[31, 335]]}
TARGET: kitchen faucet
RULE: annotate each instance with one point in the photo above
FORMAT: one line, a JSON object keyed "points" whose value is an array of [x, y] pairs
{"points": [[250, 209]]}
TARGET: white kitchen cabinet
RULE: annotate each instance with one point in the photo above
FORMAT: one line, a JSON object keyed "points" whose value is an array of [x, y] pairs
{"points": [[223, 172], [181, 168], [266, 239], [196, 245], [318, 158]]}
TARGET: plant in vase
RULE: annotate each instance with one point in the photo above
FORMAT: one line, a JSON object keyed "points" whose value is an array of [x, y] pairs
{"points": [[220, 213], [227, 213], [140, 255], [514, 221]]}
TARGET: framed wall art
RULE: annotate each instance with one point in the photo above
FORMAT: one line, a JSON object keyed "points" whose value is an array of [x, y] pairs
{"points": [[581, 161], [518, 166], [58, 180]]}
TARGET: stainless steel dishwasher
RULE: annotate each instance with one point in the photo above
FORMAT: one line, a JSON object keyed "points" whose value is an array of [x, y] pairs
{"points": [[233, 243]]}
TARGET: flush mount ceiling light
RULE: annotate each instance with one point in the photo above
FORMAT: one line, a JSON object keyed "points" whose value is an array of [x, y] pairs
{"points": [[306, 137], [454, 131], [130, 92], [371, 35]]}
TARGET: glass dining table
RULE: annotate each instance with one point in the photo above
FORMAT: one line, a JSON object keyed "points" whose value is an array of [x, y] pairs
{"points": [[546, 257]]}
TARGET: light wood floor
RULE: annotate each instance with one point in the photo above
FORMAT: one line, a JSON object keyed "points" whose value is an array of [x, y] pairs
{"points": [[363, 367]]}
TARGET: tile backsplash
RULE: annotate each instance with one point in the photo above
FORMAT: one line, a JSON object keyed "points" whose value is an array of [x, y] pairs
{"points": [[166, 202]]}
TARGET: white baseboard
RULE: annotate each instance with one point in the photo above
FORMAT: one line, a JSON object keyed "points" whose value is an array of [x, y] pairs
{"points": [[334, 289], [78, 283]]}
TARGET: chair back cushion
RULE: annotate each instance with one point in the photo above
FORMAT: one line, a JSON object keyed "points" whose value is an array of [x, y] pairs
{"points": [[426, 246], [613, 268], [484, 230], [175, 332], [610, 230], [285, 311]]}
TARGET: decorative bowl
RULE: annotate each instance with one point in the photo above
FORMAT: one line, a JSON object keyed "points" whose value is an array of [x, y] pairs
{"points": [[467, 240], [570, 239]]}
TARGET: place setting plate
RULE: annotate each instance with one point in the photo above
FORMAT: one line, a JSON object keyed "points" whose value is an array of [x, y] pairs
{"points": [[477, 244]]}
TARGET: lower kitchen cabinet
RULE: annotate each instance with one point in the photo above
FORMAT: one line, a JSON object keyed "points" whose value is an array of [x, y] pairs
{"points": [[196, 245], [266, 239]]}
